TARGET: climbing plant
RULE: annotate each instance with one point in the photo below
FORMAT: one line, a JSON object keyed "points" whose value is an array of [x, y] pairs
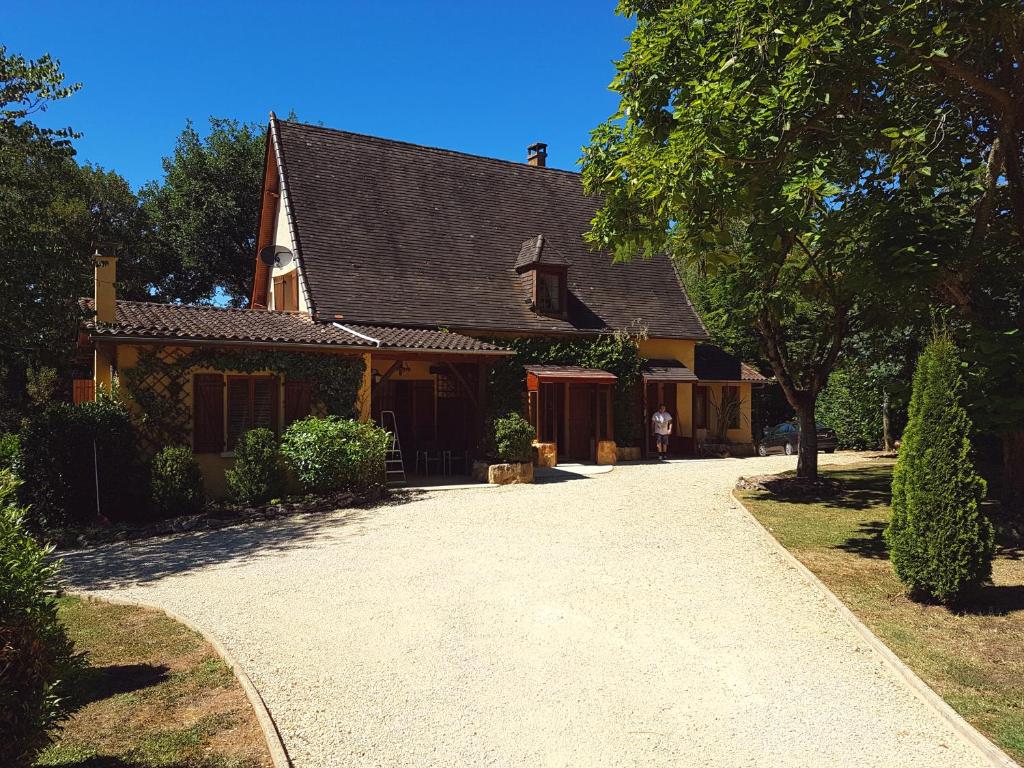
{"points": [[157, 383], [616, 353]]}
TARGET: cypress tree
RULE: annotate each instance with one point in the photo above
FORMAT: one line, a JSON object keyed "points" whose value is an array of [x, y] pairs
{"points": [[940, 542]]}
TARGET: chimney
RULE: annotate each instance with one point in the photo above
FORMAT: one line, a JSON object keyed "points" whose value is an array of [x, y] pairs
{"points": [[538, 154], [106, 295]]}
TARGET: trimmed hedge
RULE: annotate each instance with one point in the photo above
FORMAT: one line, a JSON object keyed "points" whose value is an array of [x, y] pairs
{"points": [[37, 660], [62, 448], [259, 473], [513, 438], [176, 482], [331, 454], [940, 542]]}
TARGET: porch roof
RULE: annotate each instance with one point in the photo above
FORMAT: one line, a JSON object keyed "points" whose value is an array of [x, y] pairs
{"points": [[667, 371], [715, 364], [555, 373], [147, 321]]}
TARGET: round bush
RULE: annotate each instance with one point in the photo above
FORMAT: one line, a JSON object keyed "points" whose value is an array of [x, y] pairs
{"points": [[37, 660], [176, 482], [258, 474], [329, 454], [513, 438]]}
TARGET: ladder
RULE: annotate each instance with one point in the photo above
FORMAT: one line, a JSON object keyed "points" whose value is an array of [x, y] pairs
{"points": [[394, 466]]}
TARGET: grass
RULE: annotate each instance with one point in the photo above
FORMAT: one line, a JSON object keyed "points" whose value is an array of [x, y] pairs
{"points": [[973, 659], [154, 695]]}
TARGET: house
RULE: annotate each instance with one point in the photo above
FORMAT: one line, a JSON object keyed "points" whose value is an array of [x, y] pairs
{"points": [[416, 268]]}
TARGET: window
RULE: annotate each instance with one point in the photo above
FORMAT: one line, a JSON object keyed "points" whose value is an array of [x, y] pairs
{"points": [[208, 413], [731, 406], [700, 408], [550, 287], [286, 292], [252, 403]]}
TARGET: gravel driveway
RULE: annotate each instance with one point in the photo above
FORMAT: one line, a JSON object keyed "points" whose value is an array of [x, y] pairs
{"points": [[636, 618]]}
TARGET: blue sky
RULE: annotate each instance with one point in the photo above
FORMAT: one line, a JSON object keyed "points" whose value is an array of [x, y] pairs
{"points": [[482, 77]]}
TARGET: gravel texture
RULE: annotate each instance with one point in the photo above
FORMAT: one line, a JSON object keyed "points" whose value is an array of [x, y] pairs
{"points": [[633, 618]]}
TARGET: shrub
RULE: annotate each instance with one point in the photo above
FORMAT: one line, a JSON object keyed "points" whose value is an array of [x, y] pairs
{"points": [[37, 659], [176, 483], [258, 474], [329, 454], [64, 447], [940, 542], [513, 438], [10, 452], [851, 404]]}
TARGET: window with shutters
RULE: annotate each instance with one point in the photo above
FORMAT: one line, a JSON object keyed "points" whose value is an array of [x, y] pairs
{"points": [[208, 413], [286, 292], [252, 403]]}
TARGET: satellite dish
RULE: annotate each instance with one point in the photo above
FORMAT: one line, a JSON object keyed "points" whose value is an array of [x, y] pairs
{"points": [[276, 256]]}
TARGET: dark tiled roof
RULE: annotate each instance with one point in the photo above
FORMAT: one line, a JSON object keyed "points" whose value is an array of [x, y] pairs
{"points": [[533, 253], [185, 322], [667, 370], [569, 372], [715, 364], [400, 234]]}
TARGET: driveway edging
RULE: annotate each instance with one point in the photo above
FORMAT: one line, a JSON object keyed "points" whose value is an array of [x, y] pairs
{"points": [[967, 732], [275, 745]]}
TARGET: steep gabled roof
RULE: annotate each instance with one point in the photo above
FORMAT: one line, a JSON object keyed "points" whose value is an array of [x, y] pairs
{"points": [[398, 234]]}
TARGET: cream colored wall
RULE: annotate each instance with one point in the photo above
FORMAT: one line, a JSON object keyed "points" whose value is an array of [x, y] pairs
{"points": [[283, 237], [744, 433]]}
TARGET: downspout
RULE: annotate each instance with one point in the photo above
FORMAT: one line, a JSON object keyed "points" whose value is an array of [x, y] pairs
{"points": [[290, 215]]}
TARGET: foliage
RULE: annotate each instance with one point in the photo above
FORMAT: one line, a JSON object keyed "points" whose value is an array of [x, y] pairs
{"points": [[157, 383], [616, 353], [258, 474], [10, 453], [329, 454], [513, 438], [64, 447], [203, 213], [37, 660], [940, 542], [851, 404], [176, 483]]}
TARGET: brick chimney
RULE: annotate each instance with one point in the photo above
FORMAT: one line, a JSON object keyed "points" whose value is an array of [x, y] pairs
{"points": [[538, 154], [105, 295]]}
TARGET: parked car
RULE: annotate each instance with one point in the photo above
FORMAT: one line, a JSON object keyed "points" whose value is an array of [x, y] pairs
{"points": [[785, 438]]}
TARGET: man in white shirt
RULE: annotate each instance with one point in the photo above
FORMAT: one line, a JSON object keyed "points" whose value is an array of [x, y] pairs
{"points": [[662, 421]]}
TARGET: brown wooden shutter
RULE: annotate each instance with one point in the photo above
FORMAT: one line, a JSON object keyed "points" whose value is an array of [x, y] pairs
{"points": [[208, 413], [238, 407], [279, 293], [298, 400], [295, 292]]}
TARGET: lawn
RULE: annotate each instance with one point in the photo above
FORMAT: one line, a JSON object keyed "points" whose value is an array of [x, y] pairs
{"points": [[154, 694], [974, 660]]}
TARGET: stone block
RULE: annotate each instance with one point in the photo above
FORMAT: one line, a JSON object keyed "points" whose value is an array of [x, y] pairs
{"points": [[508, 474], [628, 453], [545, 454], [606, 452]]}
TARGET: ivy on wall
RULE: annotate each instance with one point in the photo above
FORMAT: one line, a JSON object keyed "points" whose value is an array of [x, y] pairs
{"points": [[617, 353], [157, 383]]}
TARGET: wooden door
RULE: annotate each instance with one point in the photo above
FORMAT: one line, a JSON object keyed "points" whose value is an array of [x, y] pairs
{"points": [[581, 421]]}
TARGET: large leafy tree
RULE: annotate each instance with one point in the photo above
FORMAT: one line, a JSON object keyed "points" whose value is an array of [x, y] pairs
{"points": [[203, 214]]}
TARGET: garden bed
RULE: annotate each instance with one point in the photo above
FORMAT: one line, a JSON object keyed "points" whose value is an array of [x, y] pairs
{"points": [[973, 659], [154, 694]]}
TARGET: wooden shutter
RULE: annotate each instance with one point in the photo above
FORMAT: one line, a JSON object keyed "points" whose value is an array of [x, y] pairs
{"points": [[279, 293], [264, 403], [208, 413], [298, 400], [238, 407], [252, 403], [700, 408]]}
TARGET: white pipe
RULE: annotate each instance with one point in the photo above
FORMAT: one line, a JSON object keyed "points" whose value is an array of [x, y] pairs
{"points": [[354, 332]]}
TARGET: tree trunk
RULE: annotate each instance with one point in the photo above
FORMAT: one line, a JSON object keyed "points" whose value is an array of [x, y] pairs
{"points": [[807, 459], [886, 433], [1013, 474]]}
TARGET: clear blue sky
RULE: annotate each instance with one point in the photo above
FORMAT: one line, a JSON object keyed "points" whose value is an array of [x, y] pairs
{"points": [[483, 77]]}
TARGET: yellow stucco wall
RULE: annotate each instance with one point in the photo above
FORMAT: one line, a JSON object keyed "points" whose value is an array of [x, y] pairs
{"points": [[742, 435], [682, 350]]}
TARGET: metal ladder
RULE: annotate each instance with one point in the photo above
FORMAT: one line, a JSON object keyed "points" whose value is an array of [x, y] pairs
{"points": [[394, 466]]}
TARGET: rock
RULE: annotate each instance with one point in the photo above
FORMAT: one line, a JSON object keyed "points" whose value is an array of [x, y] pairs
{"points": [[479, 472], [507, 474], [545, 454], [606, 452], [628, 452]]}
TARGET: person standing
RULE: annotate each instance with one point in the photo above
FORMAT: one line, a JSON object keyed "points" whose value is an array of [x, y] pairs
{"points": [[662, 422]]}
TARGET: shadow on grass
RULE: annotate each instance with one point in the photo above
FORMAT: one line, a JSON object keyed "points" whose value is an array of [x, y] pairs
{"points": [[98, 683], [868, 541]]}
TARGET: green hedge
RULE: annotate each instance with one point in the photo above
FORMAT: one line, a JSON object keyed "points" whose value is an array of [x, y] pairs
{"points": [[330, 454], [62, 448], [939, 539], [851, 404], [37, 660], [176, 482], [258, 474]]}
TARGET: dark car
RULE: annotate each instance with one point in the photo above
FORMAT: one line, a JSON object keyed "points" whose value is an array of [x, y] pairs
{"points": [[785, 438]]}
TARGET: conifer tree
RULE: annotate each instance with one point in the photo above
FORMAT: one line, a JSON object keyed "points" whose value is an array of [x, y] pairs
{"points": [[940, 541]]}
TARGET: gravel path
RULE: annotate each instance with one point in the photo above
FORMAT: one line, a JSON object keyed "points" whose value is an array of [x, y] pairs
{"points": [[636, 618]]}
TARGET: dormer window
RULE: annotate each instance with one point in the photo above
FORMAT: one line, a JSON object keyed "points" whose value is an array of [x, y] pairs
{"points": [[544, 273]]}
